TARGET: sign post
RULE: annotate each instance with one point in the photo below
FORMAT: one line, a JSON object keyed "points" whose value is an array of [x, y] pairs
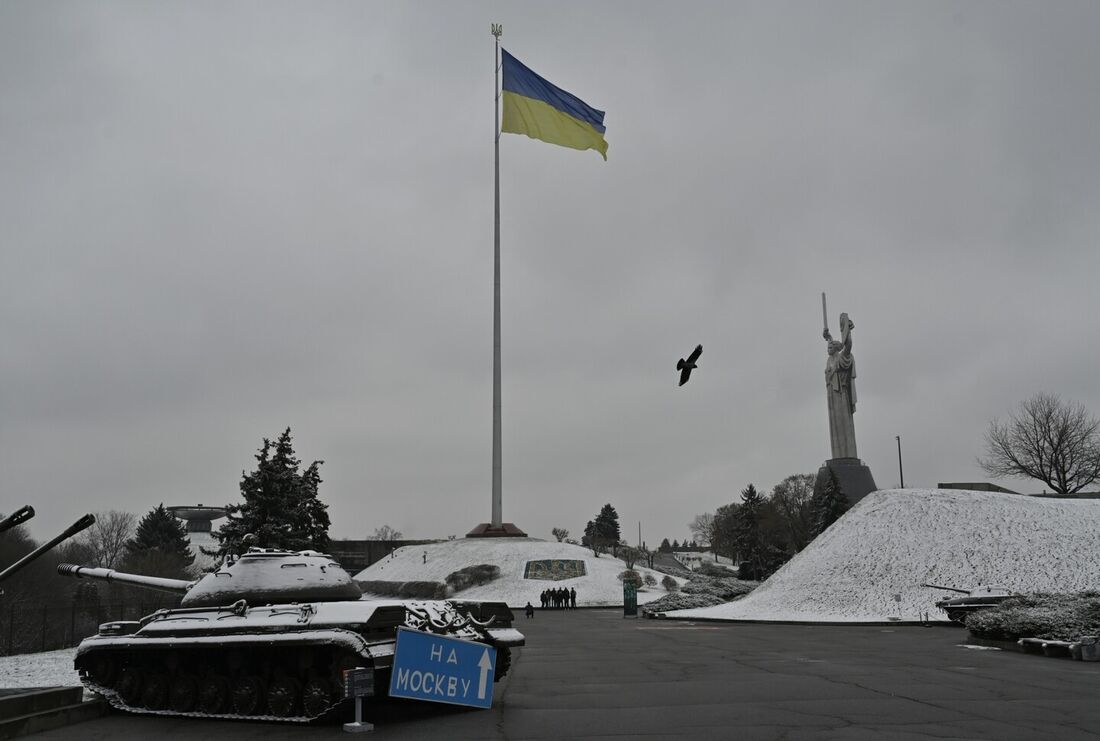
{"points": [[437, 668], [358, 683], [630, 599]]}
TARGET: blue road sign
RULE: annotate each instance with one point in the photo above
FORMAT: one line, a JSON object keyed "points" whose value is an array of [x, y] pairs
{"points": [[440, 669]]}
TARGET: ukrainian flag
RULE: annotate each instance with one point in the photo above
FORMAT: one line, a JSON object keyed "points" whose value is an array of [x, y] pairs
{"points": [[534, 107]]}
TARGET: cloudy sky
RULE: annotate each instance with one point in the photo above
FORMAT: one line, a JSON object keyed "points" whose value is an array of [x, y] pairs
{"points": [[220, 219]]}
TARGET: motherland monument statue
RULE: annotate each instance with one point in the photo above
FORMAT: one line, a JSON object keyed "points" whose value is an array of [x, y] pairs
{"points": [[840, 391]]}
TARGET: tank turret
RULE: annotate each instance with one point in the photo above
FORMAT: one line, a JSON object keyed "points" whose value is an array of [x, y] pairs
{"points": [[81, 524], [259, 577], [268, 636]]}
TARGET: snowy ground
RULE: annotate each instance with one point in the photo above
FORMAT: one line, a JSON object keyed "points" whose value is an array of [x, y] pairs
{"points": [[50, 669], [600, 585], [869, 565]]}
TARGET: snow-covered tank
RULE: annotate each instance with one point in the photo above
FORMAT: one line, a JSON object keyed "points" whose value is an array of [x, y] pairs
{"points": [[973, 599], [267, 636]]}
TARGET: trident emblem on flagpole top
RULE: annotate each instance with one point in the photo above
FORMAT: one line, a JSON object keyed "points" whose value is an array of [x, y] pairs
{"points": [[496, 29]]}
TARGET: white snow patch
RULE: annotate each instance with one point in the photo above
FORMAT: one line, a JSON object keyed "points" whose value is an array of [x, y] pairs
{"points": [[600, 586], [868, 567], [49, 669]]}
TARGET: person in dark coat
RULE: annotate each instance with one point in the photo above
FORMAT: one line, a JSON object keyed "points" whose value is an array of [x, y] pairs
{"points": [[529, 610], [573, 598]]}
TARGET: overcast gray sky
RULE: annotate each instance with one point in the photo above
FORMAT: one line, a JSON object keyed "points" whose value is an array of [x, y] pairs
{"points": [[220, 219]]}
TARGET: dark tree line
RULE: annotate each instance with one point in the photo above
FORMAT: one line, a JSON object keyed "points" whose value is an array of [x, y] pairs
{"points": [[761, 533]]}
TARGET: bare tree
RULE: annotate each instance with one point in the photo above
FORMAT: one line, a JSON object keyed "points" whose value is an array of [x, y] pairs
{"points": [[106, 540], [386, 533], [629, 555], [1046, 439], [560, 533], [702, 528], [791, 502]]}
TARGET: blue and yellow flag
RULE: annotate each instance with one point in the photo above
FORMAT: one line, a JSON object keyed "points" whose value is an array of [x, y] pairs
{"points": [[534, 107]]}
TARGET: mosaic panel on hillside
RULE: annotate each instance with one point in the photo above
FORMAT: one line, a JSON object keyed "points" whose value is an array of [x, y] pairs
{"points": [[554, 569]]}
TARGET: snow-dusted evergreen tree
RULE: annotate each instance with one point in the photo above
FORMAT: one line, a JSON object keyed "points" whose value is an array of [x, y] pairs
{"points": [[828, 503], [159, 546], [280, 507]]}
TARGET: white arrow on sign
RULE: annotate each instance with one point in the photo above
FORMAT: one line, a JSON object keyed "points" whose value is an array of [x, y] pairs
{"points": [[485, 665]]}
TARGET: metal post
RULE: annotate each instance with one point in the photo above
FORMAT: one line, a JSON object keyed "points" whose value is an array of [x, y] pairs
{"points": [[901, 474], [11, 629], [44, 618], [497, 520]]}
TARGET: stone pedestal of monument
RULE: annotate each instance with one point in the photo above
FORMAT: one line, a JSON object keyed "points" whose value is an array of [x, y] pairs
{"points": [[854, 476], [487, 530]]}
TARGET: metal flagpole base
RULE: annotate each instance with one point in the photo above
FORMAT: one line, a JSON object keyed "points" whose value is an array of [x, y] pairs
{"points": [[359, 726]]}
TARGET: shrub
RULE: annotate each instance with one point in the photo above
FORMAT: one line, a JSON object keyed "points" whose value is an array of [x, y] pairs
{"points": [[1059, 617], [405, 589], [631, 576], [713, 568], [650, 580], [472, 576], [670, 584], [723, 590]]}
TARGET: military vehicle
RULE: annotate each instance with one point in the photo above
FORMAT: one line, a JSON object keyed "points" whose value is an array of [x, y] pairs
{"points": [[978, 598], [267, 636]]}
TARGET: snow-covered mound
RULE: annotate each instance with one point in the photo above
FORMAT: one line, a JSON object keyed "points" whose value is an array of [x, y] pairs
{"points": [[868, 567], [600, 584]]}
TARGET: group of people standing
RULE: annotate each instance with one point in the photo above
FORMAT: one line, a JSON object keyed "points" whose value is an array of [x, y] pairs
{"points": [[559, 598]]}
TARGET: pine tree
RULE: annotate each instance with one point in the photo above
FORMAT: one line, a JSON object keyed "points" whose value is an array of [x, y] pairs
{"points": [[607, 524], [665, 546], [746, 529], [828, 503], [159, 546], [280, 507]]}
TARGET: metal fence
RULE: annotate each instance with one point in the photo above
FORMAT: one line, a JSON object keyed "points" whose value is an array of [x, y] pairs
{"points": [[29, 627]]}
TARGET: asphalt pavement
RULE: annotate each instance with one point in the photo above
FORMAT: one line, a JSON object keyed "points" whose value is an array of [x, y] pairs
{"points": [[593, 674]]}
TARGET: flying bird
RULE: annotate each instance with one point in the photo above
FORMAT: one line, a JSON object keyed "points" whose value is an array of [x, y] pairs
{"points": [[685, 366]]}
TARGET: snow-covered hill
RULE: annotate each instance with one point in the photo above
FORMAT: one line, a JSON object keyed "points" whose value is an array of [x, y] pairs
{"points": [[870, 564], [599, 586]]}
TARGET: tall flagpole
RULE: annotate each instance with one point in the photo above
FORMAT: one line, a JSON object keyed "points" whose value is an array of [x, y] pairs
{"points": [[497, 521]]}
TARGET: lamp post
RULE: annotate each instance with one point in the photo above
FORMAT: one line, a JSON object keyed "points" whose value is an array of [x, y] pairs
{"points": [[901, 474]]}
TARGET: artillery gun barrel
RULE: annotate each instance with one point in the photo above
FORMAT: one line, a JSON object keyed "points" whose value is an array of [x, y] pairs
{"points": [[18, 517], [176, 586], [949, 589], [81, 524]]}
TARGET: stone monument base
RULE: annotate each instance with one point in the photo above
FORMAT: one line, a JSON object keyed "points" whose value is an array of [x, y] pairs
{"points": [[506, 530], [854, 476]]}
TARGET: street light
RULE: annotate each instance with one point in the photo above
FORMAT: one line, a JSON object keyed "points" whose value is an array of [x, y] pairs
{"points": [[901, 475]]}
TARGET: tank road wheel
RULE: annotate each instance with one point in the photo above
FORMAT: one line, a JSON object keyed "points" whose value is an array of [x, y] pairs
{"points": [[248, 694], [504, 663], [317, 697], [154, 695], [130, 683], [213, 694], [282, 696], [183, 693], [103, 669]]}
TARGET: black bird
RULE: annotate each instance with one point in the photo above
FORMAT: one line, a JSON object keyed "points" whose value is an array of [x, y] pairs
{"points": [[685, 366]]}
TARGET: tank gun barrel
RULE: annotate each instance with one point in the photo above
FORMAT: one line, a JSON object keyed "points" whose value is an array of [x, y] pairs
{"points": [[176, 586], [81, 524], [18, 517], [949, 589]]}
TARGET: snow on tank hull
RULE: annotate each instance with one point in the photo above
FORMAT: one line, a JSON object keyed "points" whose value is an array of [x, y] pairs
{"points": [[277, 662]]}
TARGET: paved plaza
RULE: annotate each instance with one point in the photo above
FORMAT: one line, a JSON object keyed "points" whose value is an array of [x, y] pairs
{"points": [[592, 674]]}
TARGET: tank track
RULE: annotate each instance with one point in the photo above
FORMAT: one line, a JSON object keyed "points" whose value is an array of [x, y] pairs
{"points": [[242, 683]]}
